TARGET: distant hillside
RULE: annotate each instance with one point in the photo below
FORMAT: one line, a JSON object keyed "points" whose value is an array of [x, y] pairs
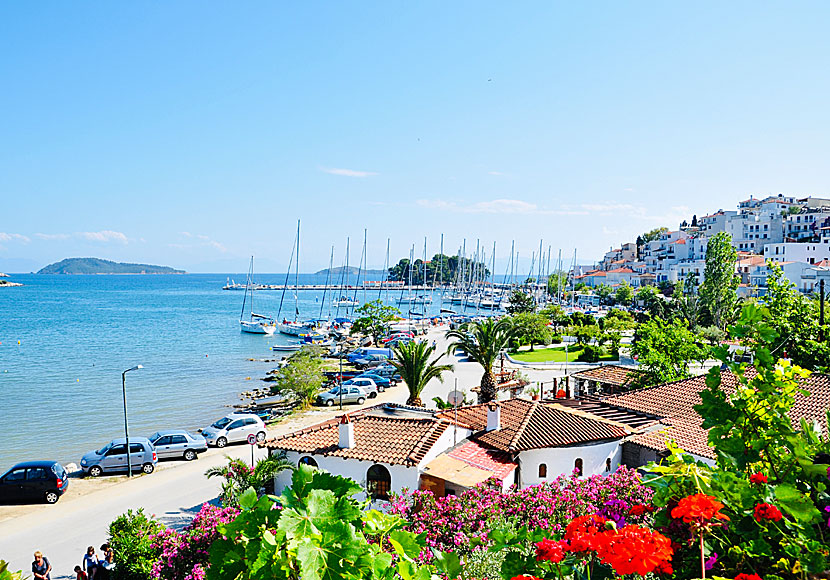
{"points": [[98, 266], [373, 275]]}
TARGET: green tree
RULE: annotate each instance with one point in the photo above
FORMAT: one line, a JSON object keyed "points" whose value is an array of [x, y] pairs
{"points": [[413, 364], [687, 300], [604, 292], [131, 538], [794, 318], [530, 328], [653, 235], [239, 476], [373, 319], [302, 377], [483, 342], [664, 350], [624, 294], [6, 574], [557, 282], [720, 283], [520, 302], [556, 315]]}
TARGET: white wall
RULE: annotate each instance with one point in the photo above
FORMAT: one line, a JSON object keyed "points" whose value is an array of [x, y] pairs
{"points": [[402, 476], [560, 460], [445, 442]]}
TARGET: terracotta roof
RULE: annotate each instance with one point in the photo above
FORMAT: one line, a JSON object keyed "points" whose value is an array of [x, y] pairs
{"points": [[685, 431], [392, 440], [680, 241], [609, 374], [674, 404], [535, 425], [498, 463], [621, 271]]}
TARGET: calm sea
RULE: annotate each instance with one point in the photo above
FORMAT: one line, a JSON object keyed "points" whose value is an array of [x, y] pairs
{"points": [[64, 341]]}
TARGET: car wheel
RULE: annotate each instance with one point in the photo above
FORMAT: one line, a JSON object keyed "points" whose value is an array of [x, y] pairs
{"points": [[51, 496], [260, 437], [329, 402], [95, 471], [221, 442], [361, 400], [148, 468], [373, 395], [190, 455], [381, 389]]}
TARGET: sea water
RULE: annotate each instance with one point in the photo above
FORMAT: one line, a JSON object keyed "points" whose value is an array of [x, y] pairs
{"points": [[66, 339]]}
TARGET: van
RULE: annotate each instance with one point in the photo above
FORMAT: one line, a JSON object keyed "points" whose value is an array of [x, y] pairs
{"points": [[364, 352]]}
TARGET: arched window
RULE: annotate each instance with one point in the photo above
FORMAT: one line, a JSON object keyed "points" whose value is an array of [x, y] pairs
{"points": [[308, 461], [378, 482], [543, 471], [578, 466], [608, 464]]}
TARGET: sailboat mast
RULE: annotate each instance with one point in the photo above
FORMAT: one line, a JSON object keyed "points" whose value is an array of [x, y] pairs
{"points": [[385, 274], [325, 288], [287, 277], [297, 277]]}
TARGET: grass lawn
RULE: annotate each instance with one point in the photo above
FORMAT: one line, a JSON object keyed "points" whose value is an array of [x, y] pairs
{"points": [[556, 354]]}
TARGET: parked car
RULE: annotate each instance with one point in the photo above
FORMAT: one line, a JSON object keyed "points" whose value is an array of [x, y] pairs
{"points": [[112, 457], [366, 352], [397, 335], [234, 428], [371, 387], [399, 340], [178, 443], [388, 371], [370, 360], [382, 383], [351, 394], [34, 480]]}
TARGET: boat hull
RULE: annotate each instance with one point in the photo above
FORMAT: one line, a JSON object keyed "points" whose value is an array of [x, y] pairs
{"points": [[257, 327]]}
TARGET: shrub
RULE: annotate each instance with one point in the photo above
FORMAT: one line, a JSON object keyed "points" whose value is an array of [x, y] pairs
{"points": [[590, 353], [131, 538]]}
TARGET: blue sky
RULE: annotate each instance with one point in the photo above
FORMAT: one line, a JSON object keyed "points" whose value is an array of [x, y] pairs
{"points": [[194, 134]]}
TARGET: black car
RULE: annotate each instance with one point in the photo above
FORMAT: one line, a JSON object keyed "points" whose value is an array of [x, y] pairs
{"points": [[34, 480]]}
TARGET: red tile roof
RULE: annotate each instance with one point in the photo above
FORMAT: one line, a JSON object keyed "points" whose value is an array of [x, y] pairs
{"points": [[472, 453], [621, 271], [674, 404], [534, 425], [392, 440], [609, 374]]}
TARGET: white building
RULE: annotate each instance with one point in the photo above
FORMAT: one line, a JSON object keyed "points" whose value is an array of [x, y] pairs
{"points": [[809, 252]]}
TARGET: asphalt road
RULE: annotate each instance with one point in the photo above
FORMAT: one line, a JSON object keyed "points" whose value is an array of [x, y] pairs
{"points": [[173, 493]]}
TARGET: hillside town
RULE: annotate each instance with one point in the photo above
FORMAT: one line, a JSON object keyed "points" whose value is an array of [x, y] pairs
{"points": [[793, 232]]}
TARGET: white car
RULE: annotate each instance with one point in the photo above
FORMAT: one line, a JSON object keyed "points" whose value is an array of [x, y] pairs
{"points": [[368, 385], [234, 428]]}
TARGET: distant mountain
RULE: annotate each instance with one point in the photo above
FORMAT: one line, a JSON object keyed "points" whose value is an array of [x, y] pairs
{"points": [[98, 266], [373, 275]]}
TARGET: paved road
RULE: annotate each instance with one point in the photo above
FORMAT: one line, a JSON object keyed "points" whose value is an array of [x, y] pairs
{"points": [[174, 493]]}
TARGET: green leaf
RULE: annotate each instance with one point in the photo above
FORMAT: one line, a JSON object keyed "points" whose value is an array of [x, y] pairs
{"points": [[378, 523], [339, 554], [405, 544], [382, 565], [448, 563], [796, 503], [248, 498]]}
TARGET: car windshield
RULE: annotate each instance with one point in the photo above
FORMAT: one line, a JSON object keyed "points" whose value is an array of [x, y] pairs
{"points": [[221, 423], [336, 391], [192, 436], [104, 449], [154, 437]]}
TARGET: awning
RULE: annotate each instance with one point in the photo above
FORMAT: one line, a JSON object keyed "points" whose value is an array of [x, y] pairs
{"points": [[456, 471]]}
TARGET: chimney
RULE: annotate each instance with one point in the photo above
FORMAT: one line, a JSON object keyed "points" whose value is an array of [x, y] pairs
{"points": [[493, 417], [346, 433]]}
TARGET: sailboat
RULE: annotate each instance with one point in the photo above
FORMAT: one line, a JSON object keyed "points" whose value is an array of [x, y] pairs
{"points": [[295, 327], [257, 324]]}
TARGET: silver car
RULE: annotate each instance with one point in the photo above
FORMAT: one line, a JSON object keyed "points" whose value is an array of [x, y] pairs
{"points": [[234, 428], [112, 457], [351, 394], [177, 444]]}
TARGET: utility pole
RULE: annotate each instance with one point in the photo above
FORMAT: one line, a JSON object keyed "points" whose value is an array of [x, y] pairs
{"points": [[821, 307]]}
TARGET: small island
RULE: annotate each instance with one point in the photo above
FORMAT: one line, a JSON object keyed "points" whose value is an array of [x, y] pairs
{"points": [[99, 266], [352, 271]]}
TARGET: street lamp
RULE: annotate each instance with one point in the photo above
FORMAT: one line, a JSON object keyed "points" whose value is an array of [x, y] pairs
{"points": [[126, 431]]}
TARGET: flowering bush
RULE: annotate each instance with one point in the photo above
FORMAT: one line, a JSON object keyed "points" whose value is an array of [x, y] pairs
{"points": [[184, 555], [461, 522], [131, 538]]}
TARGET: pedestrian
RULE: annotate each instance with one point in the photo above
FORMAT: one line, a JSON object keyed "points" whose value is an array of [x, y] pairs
{"points": [[41, 567], [80, 574], [106, 565], [90, 562]]}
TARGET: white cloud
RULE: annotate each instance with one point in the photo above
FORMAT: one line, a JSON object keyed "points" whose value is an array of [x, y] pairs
{"points": [[496, 173], [104, 236], [50, 237], [347, 172], [4, 237], [198, 241]]}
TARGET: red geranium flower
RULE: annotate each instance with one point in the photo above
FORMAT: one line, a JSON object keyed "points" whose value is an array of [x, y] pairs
{"points": [[639, 509], [634, 550], [757, 478], [550, 550], [582, 533], [525, 578], [747, 577], [698, 508], [765, 511]]}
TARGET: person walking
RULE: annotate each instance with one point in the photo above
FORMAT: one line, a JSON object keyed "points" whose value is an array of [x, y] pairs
{"points": [[91, 562], [41, 567], [106, 566]]}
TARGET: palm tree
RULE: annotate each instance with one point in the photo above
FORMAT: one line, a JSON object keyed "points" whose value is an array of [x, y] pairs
{"points": [[239, 476], [413, 364], [483, 342]]}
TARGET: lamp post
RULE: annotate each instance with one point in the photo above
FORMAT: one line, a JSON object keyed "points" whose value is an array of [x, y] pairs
{"points": [[126, 431]]}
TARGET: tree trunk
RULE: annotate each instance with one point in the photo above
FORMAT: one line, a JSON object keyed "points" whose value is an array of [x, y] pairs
{"points": [[415, 402], [487, 388]]}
